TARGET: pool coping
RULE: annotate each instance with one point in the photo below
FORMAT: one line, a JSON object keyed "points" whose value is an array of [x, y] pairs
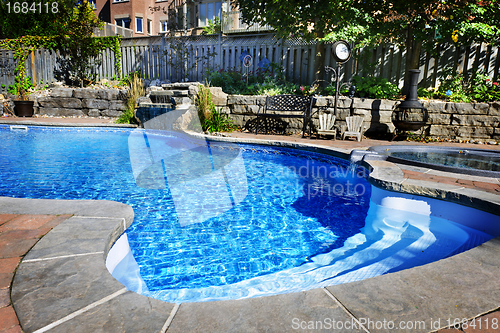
{"points": [[420, 293], [72, 122]]}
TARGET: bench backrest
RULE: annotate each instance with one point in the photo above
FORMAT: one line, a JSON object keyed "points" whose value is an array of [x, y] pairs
{"points": [[291, 103]]}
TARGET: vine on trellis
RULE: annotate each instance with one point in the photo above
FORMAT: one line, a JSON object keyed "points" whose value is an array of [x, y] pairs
{"points": [[25, 45]]}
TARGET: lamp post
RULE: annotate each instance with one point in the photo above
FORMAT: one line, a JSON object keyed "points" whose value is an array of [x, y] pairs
{"points": [[341, 51]]}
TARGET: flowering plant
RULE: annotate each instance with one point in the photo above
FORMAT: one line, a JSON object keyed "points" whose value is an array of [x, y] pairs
{"points": [[483, 89], [307, 90]]}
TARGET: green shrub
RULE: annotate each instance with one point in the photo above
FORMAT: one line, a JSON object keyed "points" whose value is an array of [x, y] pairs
{"points": [[231, 82], [211, 119], [375, 87], [483, 89], [218, 121], [130, 77], [261, 82], [26, 85], [451, 88], [271, 87], [213, 27], [135, 90], [204, 103]]}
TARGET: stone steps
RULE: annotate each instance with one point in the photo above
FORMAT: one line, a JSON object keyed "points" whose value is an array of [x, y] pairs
{"points": [[182, 92]]}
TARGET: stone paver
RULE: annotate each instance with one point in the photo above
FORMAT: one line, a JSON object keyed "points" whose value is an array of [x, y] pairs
{"points": [[129, 312], [478, 185], [4, 297], [489, 323], [66, 291], [281, 313], [352, 144], [8, 319], [7, 268], [18, 234], [6, 217]]}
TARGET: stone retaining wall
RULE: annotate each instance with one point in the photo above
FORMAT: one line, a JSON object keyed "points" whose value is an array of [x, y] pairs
{"points": [[464, 120], [81, 102], [446, 119]]}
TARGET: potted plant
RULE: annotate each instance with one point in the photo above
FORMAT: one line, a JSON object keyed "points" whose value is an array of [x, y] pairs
{"points": [[23, 107], [22, 47]]}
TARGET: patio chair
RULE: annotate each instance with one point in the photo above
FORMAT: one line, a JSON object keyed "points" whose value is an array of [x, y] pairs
{"points": [[354, 128], [326, 122]]}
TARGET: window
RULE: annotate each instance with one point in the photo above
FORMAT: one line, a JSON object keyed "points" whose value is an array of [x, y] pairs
{"points": [[180, 18], [203, 15], [150, 27], [120, 0], [189, 20], [208, 11], [163, 26], [123, 22], [138, 24]]}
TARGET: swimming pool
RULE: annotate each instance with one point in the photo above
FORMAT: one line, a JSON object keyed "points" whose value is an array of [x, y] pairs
{"points": [[223, 221]]}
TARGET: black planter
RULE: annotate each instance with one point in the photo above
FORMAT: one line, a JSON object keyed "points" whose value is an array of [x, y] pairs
{"points": [[23, 108]]}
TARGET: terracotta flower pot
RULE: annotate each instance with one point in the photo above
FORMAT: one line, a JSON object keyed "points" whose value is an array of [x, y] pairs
{"points": [[23, 108]]}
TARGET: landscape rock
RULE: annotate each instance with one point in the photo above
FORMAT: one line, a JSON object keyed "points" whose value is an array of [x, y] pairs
{"points": [[111, 113], [59, 102], [62, 92], [95, 104], [219, 98], [117, 105], [85, 93], [93, 112], [60, 112]]}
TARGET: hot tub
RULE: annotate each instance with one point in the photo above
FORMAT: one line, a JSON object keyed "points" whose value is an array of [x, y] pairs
{"points": [[478, 162]]}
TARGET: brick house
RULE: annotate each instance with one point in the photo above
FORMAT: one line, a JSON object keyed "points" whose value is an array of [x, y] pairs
{"points": [[153, 17], [150, 17]]}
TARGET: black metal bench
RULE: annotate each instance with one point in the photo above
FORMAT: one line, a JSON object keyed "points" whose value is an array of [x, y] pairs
{"points": [[287, 106]]}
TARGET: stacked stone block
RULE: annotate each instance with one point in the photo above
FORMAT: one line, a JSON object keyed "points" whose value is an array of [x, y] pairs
{"points": [[327, 105], [449, 120], [464, 120], [82, 102]]}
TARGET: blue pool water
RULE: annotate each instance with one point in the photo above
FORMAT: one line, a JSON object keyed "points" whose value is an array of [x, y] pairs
{"points": [[224, 221]]}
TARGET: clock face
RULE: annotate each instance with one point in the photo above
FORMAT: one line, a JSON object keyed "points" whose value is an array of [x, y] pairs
{"points": [[342, 52]]}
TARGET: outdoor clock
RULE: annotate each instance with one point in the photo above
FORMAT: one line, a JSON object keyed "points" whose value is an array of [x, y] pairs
{"points": [[341, 51]]}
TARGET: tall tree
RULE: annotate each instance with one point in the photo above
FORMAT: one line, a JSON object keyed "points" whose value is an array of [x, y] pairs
{"points": [[411, 24], [425, 23], [35, 18], [309, 19], [66, 25]]}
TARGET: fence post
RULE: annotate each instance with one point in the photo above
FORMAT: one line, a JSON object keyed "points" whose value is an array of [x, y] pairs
{"points": [[33, 69], [220, 49]]}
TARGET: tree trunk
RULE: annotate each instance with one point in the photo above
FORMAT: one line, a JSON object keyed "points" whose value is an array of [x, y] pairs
{"points": [[413, 48], [319, 63]]}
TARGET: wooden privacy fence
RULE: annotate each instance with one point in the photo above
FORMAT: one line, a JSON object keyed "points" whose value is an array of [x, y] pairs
{"points": [[191, 58]]}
